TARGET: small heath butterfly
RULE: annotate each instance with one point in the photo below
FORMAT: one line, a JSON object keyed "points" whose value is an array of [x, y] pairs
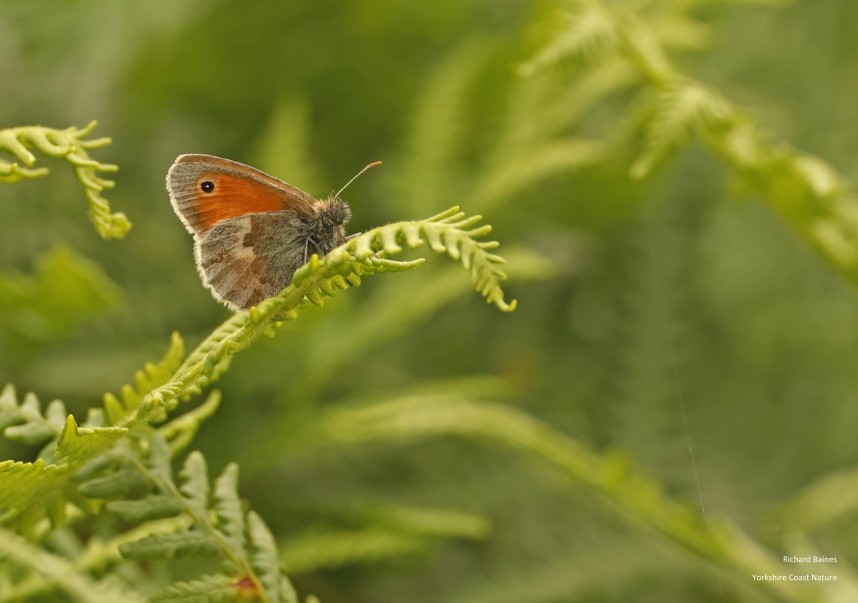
{"points": [[251, 230]]}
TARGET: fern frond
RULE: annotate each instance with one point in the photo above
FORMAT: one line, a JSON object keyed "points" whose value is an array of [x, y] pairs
{"points": [[145, 380], [405, 304], [209, 521], [610, 477], [29, 492], [680, 109], [70, 145], [99, 554], [60, 574], [809, 194], [586, 30], [449, 232]]}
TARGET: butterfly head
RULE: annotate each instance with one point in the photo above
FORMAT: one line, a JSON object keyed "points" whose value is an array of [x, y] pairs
{"points": [[335, 212]]}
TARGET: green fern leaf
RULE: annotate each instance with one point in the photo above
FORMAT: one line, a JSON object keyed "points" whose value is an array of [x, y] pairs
{"points": [[169, 546], [207, 589], [27, 490], [145, 380], [265, 562], [158, 461], [29, 433], [811, 195], [32, 491], [122, 482], [679, 109], [195, 485], [121, 475], [56, 573], [25, 422], [228, 507], [155, 506], [203, 523], [588, 30], [70, 145], [78, 445]]}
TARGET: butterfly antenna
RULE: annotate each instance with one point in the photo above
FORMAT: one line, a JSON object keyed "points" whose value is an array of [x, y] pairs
{"points": [[371, 165]]}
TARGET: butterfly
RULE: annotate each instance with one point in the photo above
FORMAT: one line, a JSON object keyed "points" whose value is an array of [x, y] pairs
{"points": [[251, 231]]}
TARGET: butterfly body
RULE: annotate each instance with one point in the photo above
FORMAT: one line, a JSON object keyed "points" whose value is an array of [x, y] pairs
{"points": [[251, 231]]}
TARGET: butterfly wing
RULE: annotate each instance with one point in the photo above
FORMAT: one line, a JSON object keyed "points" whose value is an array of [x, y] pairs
{"points": [[246, 259], [206, 190]]}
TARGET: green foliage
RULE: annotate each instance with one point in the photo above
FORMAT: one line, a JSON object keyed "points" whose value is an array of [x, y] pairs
{"points": [[40, 490], [83, 465], [609, 476], [56, 572], [384, 534], [71, 146], [208, 520], [65, 291], [364, 255], [666, 414], [802, 188], [33, 492], [146, 380]]}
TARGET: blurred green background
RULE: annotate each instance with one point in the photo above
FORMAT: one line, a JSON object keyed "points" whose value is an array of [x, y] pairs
{"points": [[636, 299]]}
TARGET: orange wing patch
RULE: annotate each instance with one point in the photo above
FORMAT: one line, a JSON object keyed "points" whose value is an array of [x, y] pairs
{"points": [[206, 190], [233, 196]]}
